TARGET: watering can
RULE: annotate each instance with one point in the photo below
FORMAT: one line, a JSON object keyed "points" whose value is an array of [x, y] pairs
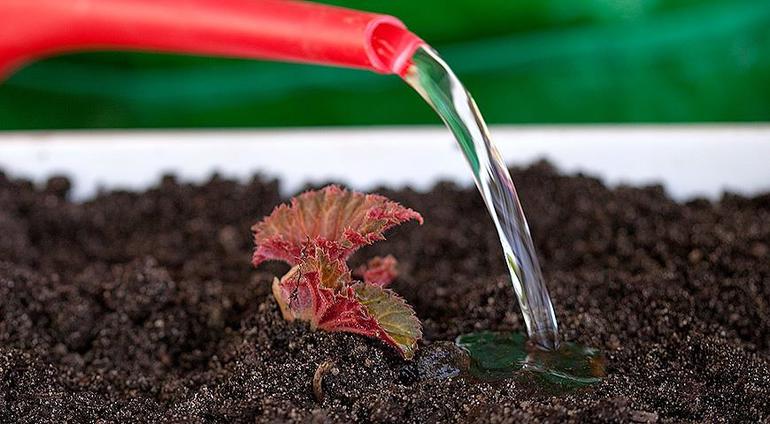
{"points": [[284, 30]]}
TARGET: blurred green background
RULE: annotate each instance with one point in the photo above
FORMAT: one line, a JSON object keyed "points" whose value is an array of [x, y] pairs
{"points": [[525, 61]]}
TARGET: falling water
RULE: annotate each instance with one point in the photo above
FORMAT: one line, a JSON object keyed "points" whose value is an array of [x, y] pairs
{"points": [[436, 83]]}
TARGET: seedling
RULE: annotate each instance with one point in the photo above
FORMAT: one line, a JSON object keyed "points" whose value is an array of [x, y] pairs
{"points": [[316, 235]]}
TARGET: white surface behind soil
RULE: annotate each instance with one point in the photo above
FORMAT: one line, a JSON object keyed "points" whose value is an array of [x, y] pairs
{"points": [[688, 160]]}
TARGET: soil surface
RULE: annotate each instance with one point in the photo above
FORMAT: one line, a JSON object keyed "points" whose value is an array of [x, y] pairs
{"points": [[143, 307]]}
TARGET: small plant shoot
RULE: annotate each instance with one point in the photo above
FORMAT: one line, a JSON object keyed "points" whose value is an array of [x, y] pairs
{"points": [[316, 234]]}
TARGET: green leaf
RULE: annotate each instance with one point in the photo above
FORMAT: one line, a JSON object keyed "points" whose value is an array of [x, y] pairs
{"points": [[393, 315]]}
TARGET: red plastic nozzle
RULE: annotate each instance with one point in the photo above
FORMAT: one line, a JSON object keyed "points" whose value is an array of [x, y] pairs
{"points": [[261, 29]]}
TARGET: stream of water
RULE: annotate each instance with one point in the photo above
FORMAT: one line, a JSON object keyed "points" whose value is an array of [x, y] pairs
{"points": [[501, 355], [436, 83]]}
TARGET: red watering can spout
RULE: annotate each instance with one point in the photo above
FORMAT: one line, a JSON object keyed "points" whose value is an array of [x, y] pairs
{"points": [[283, 30]]}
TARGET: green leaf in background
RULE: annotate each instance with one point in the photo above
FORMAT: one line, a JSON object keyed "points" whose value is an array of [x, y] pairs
{"points": [[525, 61], [393, 315]]}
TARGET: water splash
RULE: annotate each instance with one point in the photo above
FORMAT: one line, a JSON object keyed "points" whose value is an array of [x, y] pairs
{"points": [[438, 85]]}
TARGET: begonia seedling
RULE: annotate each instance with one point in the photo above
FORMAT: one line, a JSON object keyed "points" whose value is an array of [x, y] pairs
{"points": [[316, 234]]}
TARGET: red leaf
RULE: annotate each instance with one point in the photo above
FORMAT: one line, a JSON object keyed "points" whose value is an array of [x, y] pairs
{"points": [[337, 220], [316, 234], [379, 271], [375, 312], [320, 291], [308, 289], [347, 314]]}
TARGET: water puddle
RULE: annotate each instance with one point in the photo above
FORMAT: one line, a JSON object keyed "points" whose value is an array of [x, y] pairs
{"points": [[498, 356]]}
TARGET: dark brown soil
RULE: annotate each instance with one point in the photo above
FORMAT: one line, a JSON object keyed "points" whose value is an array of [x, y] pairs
{"points": [[143, 307]]}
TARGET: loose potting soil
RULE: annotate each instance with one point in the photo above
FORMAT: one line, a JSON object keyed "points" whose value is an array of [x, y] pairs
{"points": [[143, 307]]}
